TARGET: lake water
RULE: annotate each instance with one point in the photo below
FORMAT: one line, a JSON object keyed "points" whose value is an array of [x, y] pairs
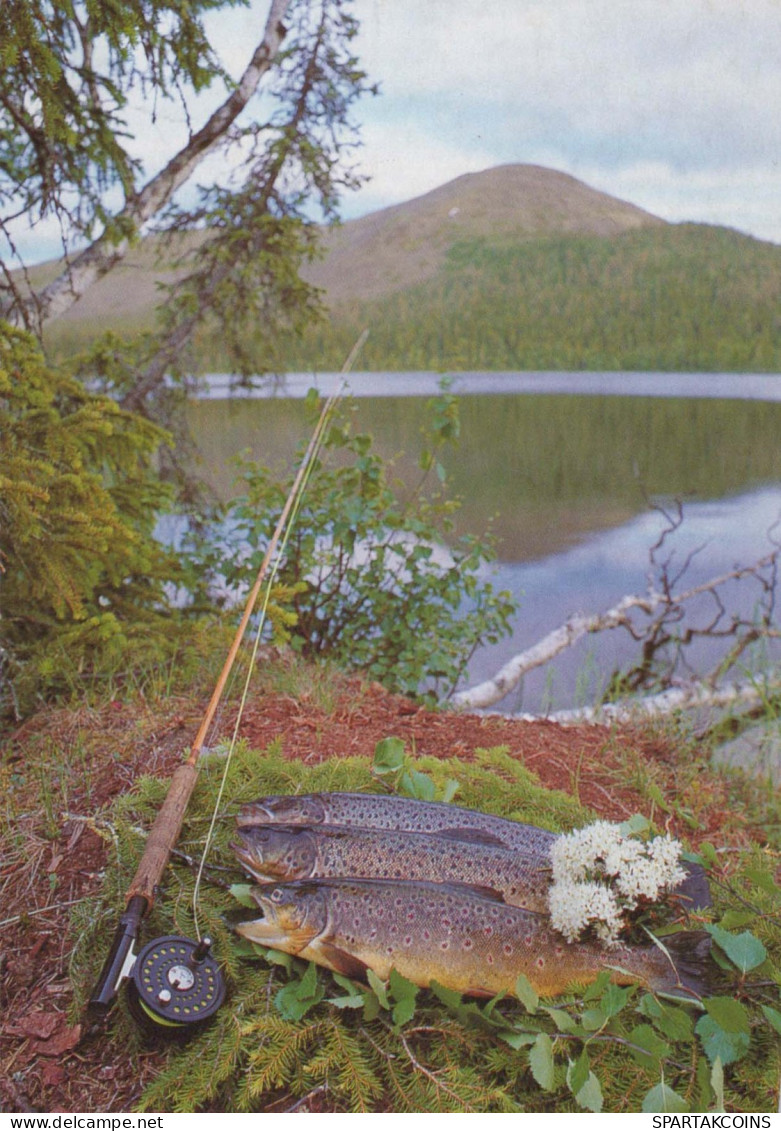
{"points": [[565, 467]]}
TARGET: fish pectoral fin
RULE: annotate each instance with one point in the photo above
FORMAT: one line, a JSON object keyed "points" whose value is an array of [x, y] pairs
{"points": [[341, 960], [472, 836], [479, 991]]}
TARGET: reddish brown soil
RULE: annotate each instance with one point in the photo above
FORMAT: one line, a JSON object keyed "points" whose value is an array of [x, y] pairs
{"points": [[48, 1064]]}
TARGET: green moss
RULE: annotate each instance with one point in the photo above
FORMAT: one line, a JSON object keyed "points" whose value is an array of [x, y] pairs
{"points": [[468, 1057]]}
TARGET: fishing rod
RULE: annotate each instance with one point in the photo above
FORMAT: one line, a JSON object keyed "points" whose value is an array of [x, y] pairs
{"points": [[175, 984]]}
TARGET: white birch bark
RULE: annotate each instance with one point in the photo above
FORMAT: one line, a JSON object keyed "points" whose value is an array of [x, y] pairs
{"points": [[102, 255], [745, 695], [509, 676]]}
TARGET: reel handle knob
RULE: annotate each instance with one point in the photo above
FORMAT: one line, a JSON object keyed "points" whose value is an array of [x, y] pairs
{"points": [[202, 949]]}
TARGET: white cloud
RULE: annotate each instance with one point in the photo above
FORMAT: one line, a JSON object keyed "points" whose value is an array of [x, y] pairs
{"points": [[404, 161], [671, 104]]}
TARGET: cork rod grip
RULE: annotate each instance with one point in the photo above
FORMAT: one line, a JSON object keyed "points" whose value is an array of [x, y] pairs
{"points": [[165, 832]]}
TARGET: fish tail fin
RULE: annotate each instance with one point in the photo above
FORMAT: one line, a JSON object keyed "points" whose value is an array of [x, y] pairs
{"points": [[682, 967], [253, 813], [694, 890]]}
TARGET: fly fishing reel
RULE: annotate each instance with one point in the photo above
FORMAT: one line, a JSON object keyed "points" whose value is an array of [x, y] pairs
{"points": [[174, 984]]}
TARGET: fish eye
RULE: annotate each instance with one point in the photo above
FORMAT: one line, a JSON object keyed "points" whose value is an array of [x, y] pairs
{"points": [[276, 895]]}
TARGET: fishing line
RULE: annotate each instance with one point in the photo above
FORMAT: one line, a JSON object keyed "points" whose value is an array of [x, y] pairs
{"points": [[174, 984], [294, 500]]}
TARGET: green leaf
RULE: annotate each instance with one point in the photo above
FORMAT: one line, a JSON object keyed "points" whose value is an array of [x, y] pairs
{"points": [[561, 1019], [405, 994], [590, 1095], [295, 999], [451, 998], [729, 1014], [637, 823], [371, 1006], [355, 998], [247, 949], [348, 1001], [614, 999], [664, 1099], [724, 1030], [593, 1019], [277, 957], [578, 1072], [241, 892], [526, 994], [744, 950], [701, 1096], [654, 1049], [388, 756], [772, 1016], [597, 987], [417, 785], [515, 1038], [733, 918], [449, 790], [379, 989], [719, 1044], [764, 880], [717, 1083], [541, 1061], [674, 1023], [490, 1006], [655, 794], [708, 854]]}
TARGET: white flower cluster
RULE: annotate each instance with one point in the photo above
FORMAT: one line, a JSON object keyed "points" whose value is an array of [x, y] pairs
{"points": [[599, 873]]}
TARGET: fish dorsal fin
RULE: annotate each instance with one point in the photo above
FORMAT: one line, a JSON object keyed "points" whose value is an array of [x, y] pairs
{"points": [[472, 836], [482, 891]]}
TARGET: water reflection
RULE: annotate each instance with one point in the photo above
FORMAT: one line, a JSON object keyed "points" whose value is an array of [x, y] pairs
{"points": [[592, 577], [569, 480]]}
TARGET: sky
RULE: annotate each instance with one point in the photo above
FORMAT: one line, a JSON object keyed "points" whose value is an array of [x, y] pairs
{"points": [[670, 104]]}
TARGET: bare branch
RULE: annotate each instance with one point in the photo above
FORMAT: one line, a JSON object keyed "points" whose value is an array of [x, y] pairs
{"points": [[699, 694], [102, 255], [654, 636]]}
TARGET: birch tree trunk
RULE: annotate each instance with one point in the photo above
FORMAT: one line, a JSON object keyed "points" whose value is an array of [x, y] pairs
{"points": [[100, 257]]}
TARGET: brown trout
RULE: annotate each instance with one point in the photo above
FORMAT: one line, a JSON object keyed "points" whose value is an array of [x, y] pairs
{"points": [[456, 937], [296, 852], [377, 811]]}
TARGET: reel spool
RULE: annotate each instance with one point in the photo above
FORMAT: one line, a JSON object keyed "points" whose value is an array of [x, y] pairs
{"points": [[175, 986]]}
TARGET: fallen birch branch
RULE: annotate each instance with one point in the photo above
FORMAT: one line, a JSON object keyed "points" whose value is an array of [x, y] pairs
{"points": [[491, 691], [746, 695]]}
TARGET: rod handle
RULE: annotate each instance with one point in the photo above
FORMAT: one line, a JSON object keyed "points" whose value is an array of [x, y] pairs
{"points": [[163, 835]]}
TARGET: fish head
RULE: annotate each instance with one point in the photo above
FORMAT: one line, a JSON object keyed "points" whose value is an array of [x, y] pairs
{"points": [[294, 915], [292, 809], [276, 852]]}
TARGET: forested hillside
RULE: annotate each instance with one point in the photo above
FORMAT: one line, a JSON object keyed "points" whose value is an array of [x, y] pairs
{"points": [[514, 268], [689, 297]]}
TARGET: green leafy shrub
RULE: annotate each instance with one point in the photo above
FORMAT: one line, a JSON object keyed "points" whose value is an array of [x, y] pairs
{"points": [[370, 579], [292, 1034], [82, 577]]}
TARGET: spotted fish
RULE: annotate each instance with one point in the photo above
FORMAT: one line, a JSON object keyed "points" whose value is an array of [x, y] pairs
{"points": [[457, 937], [388, 811], [376, 811], [294, 852]]}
